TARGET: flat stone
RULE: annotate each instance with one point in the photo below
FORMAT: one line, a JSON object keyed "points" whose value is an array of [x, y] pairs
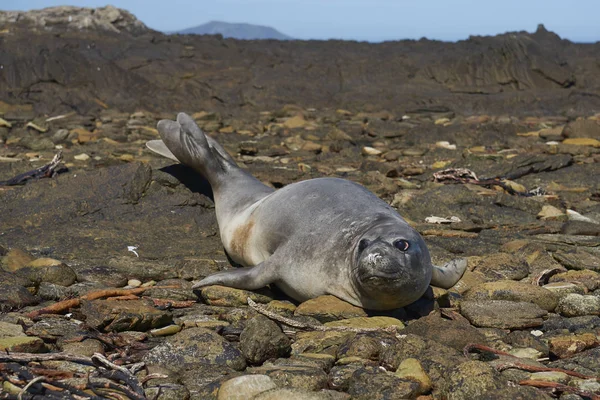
{"points": [[568, 345], [196, 346], [22, 344], [514, 291], [502, 314], [578, 259], [49, 270], [319, 342], [328, 308], [550, 376], [245, 387], [87, 347], [590, 279], [10, 330], [367, 322], [500, 266], [573, 305], [299, 394], [129, 315], [299, 377], [561, 289], [225, 296], [455, 334], [526, 352]]}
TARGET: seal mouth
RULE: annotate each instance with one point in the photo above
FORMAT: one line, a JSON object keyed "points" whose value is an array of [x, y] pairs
{"points": [[381, 276]]}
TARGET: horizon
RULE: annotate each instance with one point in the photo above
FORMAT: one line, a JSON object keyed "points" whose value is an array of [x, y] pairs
{"points": [[345, 20]]}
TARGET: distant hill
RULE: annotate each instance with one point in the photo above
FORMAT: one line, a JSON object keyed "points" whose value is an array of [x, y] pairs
{"points": [[236, 31]]}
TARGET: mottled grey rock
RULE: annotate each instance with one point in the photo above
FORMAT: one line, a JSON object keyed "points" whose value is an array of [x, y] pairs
{"points": [[299, 394], [245, 387], [51, 291], [167, 392], [14, 297], [574, 305], [578, 259], [373, 383], [102, 274], [262, 339], [478, 380], [55, 329], [502, 314], [340, 376], [196, 346]]}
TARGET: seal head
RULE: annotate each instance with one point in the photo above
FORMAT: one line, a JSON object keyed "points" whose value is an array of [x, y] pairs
{"points": [[392, 267]]}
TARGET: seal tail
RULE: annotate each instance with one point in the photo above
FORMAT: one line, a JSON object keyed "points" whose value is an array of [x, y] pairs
{"points": [[184, 141]]}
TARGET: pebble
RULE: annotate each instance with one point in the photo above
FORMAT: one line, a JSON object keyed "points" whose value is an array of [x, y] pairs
{"points": [[81, 157], [412, 369], [134, 283]]}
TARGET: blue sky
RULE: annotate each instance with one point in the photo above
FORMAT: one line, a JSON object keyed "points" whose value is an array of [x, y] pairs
{"points": [[372, 20]]}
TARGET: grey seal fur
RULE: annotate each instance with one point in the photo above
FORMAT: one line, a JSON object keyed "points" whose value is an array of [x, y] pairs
{"points": [[310, 238]]}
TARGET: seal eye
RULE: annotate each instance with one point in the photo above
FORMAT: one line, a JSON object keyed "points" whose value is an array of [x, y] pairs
{"points": [[401, 245], [362, 244]]}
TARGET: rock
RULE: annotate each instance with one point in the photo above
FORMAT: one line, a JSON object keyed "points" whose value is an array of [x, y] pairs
{"points": [[245, 387], [295, 122], [582, 142], [364, 346], [574, 325], [55, 329], [118, 316], [50, 291], [225, 296], [568, 345], [22, 344], [367, 322], [262, 339], [167, 392], [586, 385], [14, 297], [590, 279], [374, 384], [500, 266], [514, 291], [86, 348], [166, 330], [525, 353], [134, 283], [50, 271], [455, 334], [578, 259], [561, 289], [299, 394], [478, 380], [584, 228], [582, 128], [102, 274], [573, 305], [526, 340], [319, 342], [299, 377], [340, 376], [370, 151], [10, 330], [328, 308], [412, 369], [16, 259], [551, 213], [81, 157], [502, 314], [196, 346], [285, 307]]}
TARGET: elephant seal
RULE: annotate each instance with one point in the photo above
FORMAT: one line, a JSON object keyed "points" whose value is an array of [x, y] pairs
{"points": [[310, 238]]}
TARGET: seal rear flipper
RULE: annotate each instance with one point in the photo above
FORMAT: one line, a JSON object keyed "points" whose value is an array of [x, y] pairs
{"points": [[247, 278], [159, 147], [186, 142], [449, 274]]}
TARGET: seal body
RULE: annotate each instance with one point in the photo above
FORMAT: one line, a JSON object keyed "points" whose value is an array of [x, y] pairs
{"points": [[310, 238]]}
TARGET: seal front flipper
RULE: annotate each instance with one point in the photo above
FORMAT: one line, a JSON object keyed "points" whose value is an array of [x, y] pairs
{"points": [[247, 278], [446, 276], [159, 147]]}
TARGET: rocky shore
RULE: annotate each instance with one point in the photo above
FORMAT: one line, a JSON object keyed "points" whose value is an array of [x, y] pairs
{"points": [[498, 164]]}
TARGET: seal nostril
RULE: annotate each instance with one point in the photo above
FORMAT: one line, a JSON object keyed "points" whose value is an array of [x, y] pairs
{"points": [[362, 244], [401, 245]]}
